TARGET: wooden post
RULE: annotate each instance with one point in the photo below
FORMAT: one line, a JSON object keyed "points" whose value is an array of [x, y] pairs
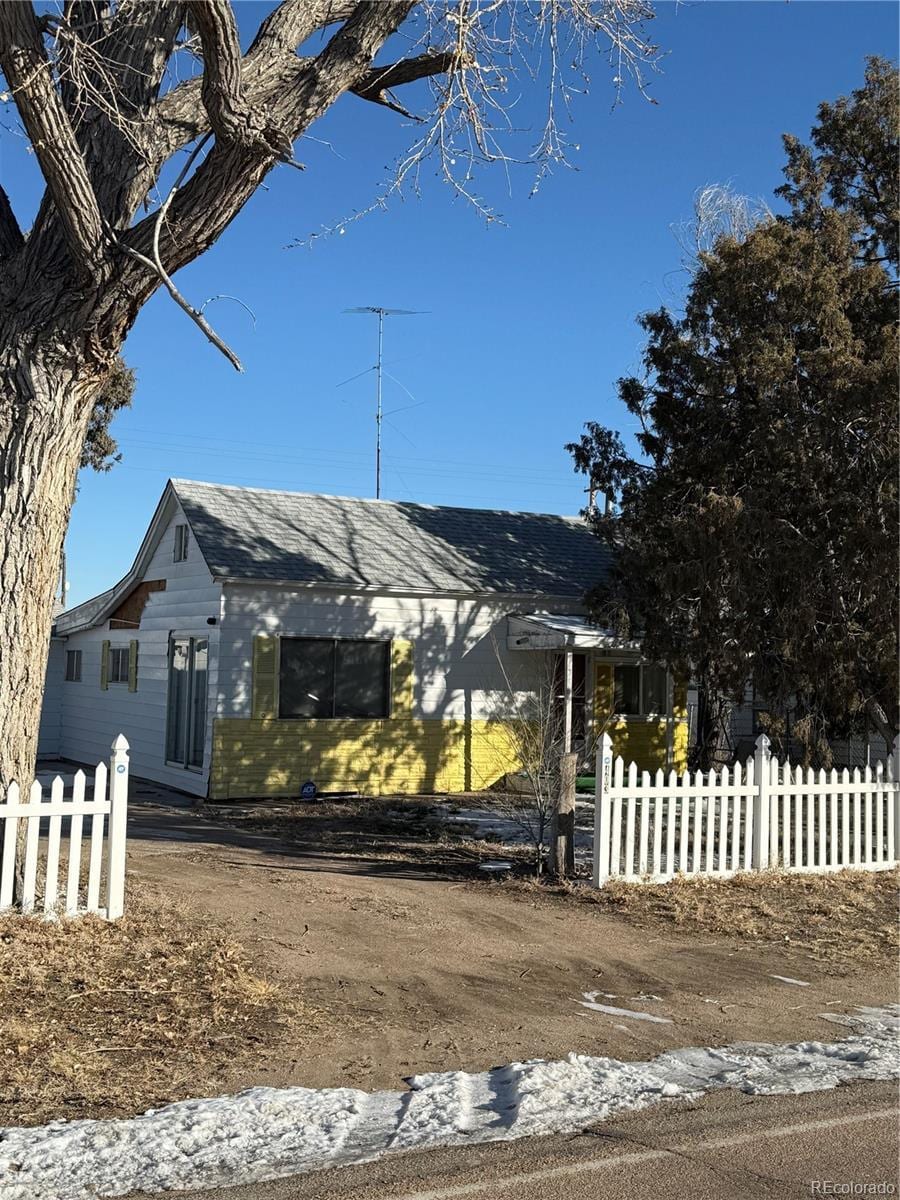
{"points": [[761, 777], [567, 701], [562, 827], [895, 798], [602, 810], [116, 834]]}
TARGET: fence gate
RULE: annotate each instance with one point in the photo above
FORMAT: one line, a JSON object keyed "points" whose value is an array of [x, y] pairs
{"points": [[763, 814], [45, 886]]}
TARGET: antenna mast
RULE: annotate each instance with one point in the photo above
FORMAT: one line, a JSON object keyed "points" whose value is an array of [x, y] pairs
{"points": [[381, 313]]}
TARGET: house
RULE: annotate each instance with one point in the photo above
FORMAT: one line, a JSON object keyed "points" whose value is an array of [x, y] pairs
{"points": [[265, 638]]}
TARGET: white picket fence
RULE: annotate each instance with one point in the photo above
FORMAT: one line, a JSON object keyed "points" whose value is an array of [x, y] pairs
{"points": [[761, 815], [44, 885]]}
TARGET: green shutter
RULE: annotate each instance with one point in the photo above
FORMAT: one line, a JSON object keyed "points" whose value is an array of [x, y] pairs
{"points": [[104, 665], [132, 666], [401, 679], [265, 671]]}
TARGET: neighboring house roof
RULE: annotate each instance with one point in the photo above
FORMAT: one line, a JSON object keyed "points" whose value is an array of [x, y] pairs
{"points": [[250, 533], [342, 542]]}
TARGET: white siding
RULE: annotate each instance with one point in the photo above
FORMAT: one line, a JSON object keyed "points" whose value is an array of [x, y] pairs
{"points": [[461, 664], [51, 710], [91, 717]]}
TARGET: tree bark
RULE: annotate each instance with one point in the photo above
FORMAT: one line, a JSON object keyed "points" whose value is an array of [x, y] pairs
{"points": [[45, 402]]}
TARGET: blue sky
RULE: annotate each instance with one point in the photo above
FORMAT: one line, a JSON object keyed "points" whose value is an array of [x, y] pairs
{"points": [[527, 324]]}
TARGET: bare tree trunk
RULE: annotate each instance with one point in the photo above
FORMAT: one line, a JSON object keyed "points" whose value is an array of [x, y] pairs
{"points": [[562, 824], [45, 394]]}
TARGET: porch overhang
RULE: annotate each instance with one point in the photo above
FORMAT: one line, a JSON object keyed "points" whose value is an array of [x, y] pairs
{"points": [[564, 631]]}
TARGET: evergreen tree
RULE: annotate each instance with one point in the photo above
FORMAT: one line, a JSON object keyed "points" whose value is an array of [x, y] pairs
{"points": [[757, 533]]}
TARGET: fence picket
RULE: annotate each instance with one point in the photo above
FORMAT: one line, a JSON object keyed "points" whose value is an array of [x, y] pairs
{"points": [[670, 828], [644, 831], [32, 836], [845, 818], [95, 860], [818, 823], [658, 824], [750, 815], [890, 851], [73, 867], [775, 811], [830, 856], [723, 833], [697, 831], [684, 823], [798, 818], [736, 834], [10, 834], [810, 820], [857, 819], [867, 817], [785, 826], [879, 814], [51, 879], [615, 856], [630, 812], [711, 820]]}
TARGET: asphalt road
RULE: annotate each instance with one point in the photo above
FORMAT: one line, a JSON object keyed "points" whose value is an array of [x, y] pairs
{"points": [[727, 1147]]}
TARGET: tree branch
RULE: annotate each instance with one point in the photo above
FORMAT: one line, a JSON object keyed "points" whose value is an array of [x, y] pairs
{"points": [[376, 84], [233, 120], [293, 21], [11, 240], [222, 88], [155, 263], [29, 76]]}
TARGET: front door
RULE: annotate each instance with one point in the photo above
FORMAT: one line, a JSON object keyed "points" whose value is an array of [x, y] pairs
{"points": [[186, 716]]}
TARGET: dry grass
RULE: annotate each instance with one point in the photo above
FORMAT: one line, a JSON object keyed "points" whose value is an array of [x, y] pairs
{"points": [[845, 918], [107, 1019]]}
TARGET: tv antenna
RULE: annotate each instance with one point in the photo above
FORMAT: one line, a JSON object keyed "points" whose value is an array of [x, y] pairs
{"points": [[381, 313]]}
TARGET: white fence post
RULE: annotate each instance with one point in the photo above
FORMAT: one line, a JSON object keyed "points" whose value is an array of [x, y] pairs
{"points": [[762, 773], [895, 799], [602, 810], [118, 821]]}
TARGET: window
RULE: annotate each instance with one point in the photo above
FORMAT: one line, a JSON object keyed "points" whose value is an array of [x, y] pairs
{"points": [[181, 543], [73, 666], [640, 691], [118, 664], [186, 703], [326, 677]]}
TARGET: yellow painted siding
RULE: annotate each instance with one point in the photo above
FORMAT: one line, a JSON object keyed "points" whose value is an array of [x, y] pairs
{"points": [[269, 757], [639, 740]]}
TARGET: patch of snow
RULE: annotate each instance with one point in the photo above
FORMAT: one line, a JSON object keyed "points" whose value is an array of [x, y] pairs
{"points": [[589, 1000], [787, 979], [268, 1133], [495, 865]]}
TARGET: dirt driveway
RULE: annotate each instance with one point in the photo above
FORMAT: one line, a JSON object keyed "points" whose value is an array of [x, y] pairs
{"points": [[410, 973]]}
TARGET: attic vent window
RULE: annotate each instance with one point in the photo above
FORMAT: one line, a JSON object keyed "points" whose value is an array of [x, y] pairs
{"points": [[181, 542]]}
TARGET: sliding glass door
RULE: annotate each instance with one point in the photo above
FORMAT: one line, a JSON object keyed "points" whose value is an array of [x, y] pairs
{"points": [[186, 715]]}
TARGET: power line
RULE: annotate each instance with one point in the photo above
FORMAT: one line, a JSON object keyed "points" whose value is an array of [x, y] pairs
{"points": [[454, 497], [176, 441], [514, 477]]}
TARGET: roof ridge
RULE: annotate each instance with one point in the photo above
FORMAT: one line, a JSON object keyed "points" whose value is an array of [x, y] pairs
{"points": [[367, 500]]}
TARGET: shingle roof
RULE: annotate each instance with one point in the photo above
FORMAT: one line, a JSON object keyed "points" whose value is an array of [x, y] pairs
{"points": [[249, 533]]}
